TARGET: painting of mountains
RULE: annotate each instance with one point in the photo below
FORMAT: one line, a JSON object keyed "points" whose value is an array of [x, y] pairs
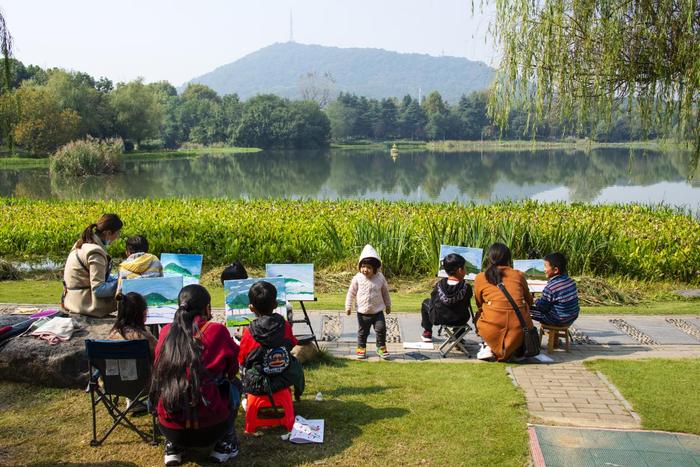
{"points": [[533, 268], [160, 294], [473, 257], [298, 279], [236, 300], [187, 266]]}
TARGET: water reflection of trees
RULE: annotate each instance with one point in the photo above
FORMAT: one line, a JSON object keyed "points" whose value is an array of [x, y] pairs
{"points": [[358, 174]]}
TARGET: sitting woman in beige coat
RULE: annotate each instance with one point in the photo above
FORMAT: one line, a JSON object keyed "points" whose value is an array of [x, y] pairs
{"points": [[88, 288], [497, 323]]}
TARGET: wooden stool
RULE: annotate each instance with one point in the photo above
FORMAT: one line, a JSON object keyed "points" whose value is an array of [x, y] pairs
{"points": [[553, 335]]}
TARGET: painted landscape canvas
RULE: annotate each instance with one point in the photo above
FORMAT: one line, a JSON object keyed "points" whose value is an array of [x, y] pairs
{"points": [[473, 256], [533, 268], [160, 294], [236, 300], [185, 265], [298, 279]]}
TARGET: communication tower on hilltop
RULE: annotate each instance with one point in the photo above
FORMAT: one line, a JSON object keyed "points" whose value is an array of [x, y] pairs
{"points": [[291, 27]]}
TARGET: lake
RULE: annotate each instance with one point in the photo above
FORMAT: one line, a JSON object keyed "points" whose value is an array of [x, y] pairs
{"points": [[597, 176]]}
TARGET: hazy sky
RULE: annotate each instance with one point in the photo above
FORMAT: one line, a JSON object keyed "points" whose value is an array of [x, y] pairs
{"points": [[178, 40]]}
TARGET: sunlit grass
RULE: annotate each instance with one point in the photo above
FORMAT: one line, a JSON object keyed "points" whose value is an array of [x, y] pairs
{"points": [[663, 392], [375, 414]]}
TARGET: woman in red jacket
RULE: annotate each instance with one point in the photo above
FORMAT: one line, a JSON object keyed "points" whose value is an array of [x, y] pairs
{"points": [[194, 380]]}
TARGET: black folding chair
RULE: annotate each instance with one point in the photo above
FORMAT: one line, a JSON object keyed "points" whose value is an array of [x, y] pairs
{"points": [[119, 369], [454, 334]]}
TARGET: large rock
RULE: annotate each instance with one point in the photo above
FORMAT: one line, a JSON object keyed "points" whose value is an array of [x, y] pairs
{"points": [[28, 359]]}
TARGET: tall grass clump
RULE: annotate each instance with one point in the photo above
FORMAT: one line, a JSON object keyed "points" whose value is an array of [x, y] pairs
{"points": [[640, 242], [87, 157]]}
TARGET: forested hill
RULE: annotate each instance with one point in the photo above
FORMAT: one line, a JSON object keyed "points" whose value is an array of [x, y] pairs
{"points": [[377, 73]]}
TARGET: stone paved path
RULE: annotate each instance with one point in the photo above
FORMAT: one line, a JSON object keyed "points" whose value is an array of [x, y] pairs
{"points": [[570, 394]]}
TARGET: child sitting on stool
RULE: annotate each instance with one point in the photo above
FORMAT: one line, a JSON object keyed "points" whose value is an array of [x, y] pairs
{"points": [[558, 305], [450, 301], [265, 356]]}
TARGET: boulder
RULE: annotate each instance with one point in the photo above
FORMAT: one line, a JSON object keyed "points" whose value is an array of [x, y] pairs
{"points": [[28, 359]]}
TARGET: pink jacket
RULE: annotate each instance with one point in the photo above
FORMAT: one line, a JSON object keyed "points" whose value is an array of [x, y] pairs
{"points": [[371, 295]]}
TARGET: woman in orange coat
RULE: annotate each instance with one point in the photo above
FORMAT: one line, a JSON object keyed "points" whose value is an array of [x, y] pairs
{"points": [[497, 322]]}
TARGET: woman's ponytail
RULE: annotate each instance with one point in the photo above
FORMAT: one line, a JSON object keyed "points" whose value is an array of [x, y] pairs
{"points": [[110, 222], [177, 373]]}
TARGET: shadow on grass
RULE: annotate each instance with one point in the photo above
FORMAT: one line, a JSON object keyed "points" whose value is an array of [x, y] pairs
{"points": [[84, 464], [358, 390], [344, 423]]}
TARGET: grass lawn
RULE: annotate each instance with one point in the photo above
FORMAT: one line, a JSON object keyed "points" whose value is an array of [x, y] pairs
{"points": [[375, 413], [49, 291], [663, 392]]}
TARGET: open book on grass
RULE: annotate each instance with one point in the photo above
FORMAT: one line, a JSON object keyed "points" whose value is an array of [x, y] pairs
{"points": [[306, 431]]}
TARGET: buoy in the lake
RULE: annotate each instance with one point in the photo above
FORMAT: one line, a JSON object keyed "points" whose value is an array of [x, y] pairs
{"points": [[394, 151]]}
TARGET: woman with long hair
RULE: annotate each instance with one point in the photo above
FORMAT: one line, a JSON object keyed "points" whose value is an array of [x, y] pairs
{"points": [[194, 380], [88, 288], [497, 323]]}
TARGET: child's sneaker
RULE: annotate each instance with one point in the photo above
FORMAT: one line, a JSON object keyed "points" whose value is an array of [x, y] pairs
{"points": [[427, 336], [361, 353], [224, 451], [173, 454], [383, 352]]}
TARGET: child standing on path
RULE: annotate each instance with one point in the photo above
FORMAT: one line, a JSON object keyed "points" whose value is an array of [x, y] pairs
{"points": [[370, 291]]}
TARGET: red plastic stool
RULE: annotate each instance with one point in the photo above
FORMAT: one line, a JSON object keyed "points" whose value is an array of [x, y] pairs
{"points": [[256, 416]]}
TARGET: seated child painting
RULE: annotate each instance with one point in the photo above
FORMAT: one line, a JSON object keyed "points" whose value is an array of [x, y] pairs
{"points": [[558, 304], [450, 301], [139, 262], [267, 364]]}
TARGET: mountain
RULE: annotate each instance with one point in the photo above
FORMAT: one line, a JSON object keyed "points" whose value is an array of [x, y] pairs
{"points": [[177, 269], [374, 73], [156, 299]]}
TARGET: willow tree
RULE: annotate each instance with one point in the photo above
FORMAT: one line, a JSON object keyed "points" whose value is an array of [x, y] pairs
{"points": [[579, 60], [6, 48]]}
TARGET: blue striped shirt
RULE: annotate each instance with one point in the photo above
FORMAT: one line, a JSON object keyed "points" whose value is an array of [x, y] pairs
{"points": [[559, 299]]}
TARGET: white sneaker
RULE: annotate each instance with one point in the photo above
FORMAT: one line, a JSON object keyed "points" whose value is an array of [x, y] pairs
{"points": [[485, 352]]}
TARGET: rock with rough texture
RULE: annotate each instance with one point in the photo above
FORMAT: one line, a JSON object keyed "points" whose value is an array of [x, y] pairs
{"points": [[28, 359]]}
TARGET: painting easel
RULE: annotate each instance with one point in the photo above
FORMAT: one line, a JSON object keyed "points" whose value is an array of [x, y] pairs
{"points": [[305, 338]]}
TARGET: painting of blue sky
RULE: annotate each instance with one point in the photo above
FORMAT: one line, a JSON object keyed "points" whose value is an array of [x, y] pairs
{"points": [[298, 278], [236, 300], [185, 265], [473, 256]]}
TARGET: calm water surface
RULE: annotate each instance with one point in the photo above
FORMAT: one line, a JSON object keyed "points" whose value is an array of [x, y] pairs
{"points": [[599, 176]]}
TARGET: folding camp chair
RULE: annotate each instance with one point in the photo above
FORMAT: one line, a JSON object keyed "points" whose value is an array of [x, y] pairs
{"points": [[454, 334], [119, 369]]}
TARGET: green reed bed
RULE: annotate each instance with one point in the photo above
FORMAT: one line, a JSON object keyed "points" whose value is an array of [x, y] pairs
{"points": [[635, 241]]}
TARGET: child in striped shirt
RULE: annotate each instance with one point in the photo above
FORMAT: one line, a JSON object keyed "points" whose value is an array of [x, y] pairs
{"points": [[558, 304]]}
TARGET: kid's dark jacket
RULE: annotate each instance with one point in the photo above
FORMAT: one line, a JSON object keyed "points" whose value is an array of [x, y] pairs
{"points": [[450, 304], [264, 333]]}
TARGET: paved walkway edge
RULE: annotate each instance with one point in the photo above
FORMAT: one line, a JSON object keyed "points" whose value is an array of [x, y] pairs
{"points": [[619, 395], [535, 449]]}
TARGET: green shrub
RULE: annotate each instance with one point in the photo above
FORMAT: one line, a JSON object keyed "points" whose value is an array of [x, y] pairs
{"points": [[8, 272], [635, 241], [87, 157]]}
